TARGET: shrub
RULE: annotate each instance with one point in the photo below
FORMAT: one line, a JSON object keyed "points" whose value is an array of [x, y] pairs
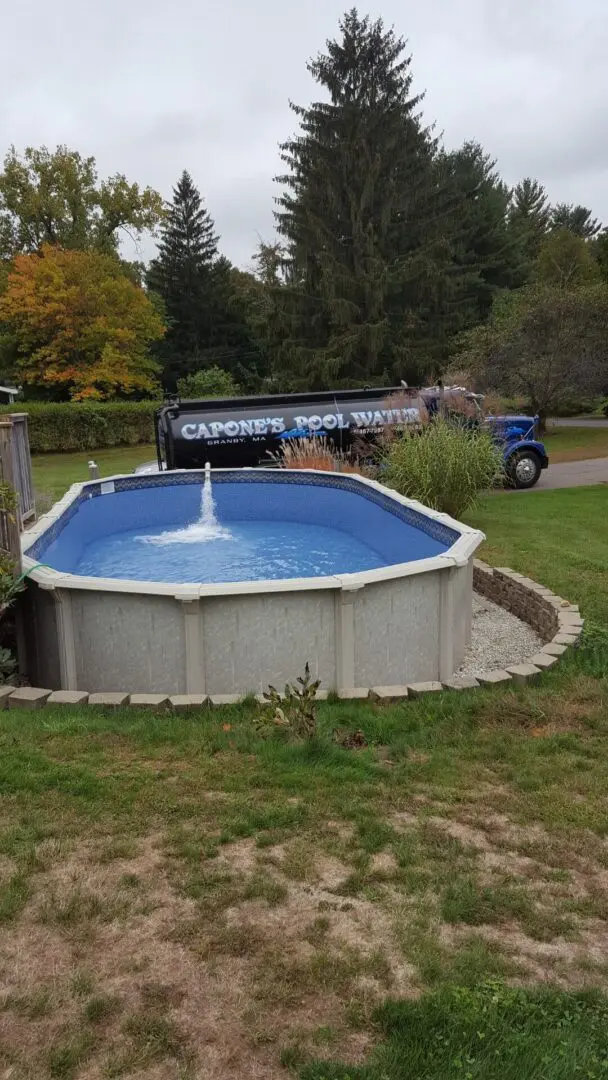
{"points": [[209, 383], [10, 586], [445, 465], [8, 664], [66, 426], [295, 710], [575, 405]]}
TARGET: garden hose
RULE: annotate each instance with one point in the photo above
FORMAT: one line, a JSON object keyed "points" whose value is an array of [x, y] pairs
{"points": [[38, 566]]}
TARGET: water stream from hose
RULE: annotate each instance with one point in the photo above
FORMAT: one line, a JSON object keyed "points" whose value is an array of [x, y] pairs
{"points": [[206, 528]]}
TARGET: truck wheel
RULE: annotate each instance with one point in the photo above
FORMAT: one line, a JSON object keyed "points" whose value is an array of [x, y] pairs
{"points": [[524, 469]]}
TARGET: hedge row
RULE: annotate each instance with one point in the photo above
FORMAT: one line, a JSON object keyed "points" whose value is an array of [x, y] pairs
{"points": [[72, 426]]}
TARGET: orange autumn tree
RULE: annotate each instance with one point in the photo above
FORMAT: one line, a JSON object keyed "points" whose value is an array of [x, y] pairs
{"points": [[79, 325]]}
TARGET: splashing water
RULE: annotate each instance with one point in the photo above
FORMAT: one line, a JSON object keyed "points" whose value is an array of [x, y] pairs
{"points": [[206, 528]]}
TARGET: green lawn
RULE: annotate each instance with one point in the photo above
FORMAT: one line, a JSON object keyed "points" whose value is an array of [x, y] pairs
{"points": [[576, 443], [485, 1033], [557, 537], [170, 881], [54, 473], [182, 894]]}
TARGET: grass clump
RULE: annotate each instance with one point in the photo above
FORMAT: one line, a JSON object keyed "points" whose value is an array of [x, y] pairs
{"points": [[65, 1059], [154, 1038], [446, 465], [464, 901], [14, 895], [101, 1008]]}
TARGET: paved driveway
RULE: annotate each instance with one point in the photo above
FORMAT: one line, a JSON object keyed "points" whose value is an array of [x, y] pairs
{"points": [[573, 474]]}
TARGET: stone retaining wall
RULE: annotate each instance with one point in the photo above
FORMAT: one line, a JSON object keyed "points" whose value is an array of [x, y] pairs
{"points": [[558, 623], [532, 603]]}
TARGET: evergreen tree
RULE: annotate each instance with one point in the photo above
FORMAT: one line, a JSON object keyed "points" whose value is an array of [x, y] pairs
{"points": [[577, 219], [529, 216], [600, 252], [485, 249], [184, 275], [363, 216]]}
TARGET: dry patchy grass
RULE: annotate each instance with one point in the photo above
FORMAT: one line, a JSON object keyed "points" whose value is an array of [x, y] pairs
{"points": [[252, 958]]}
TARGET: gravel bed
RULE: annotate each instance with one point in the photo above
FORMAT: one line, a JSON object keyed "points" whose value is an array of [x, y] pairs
{"points": [[498, 639]]}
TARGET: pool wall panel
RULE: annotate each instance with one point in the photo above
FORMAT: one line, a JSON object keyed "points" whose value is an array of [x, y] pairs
{"points": [[129, 642], [250, 641], [463, 611], [397, 631]]}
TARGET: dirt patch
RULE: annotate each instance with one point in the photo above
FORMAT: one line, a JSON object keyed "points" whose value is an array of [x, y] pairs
{"points": [[569, 964], [404, 820], [383, 864], [173, 985], [465, 834], [241, 857]]}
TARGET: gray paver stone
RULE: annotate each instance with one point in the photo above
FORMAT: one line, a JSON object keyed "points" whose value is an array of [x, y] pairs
{"points": [[68, 697], [28, 697], [523, 673], [108, 701]]}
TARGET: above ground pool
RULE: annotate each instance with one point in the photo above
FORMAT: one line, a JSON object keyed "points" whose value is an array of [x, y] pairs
{"points": [[186, 582]]}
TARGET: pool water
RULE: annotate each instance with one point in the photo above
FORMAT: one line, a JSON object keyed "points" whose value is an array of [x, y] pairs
{"points": [[229, 531], [250, 550]]}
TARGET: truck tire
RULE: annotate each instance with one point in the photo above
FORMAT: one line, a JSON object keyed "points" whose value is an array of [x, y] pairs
{"points": [[523, 469]]}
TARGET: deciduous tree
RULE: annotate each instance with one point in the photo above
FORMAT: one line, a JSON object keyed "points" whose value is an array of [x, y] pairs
{"points": [[600, 252], [55, 197], [81, 329], [544, 342], [566, 261], [211, 382]]}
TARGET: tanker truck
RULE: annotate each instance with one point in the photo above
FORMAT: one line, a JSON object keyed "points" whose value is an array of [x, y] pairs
{"points": [[247, 432]]}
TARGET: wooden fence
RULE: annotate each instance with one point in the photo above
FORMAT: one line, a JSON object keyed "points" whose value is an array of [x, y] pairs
{"points": [[16, 470]]}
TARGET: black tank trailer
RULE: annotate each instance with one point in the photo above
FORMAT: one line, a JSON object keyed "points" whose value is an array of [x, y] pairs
{"points": [[246, 431]]}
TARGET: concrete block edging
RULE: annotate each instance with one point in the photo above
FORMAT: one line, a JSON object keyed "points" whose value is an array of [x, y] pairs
{"points": [[557, 622]]}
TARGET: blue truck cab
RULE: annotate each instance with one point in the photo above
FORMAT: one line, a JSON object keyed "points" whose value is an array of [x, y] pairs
{"points": [[525, 455]]}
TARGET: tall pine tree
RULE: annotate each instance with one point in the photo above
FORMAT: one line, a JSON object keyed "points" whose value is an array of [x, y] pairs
{"points": [[486, 251], [529, 217], [184, 275], [363, 216], [577, 219]]}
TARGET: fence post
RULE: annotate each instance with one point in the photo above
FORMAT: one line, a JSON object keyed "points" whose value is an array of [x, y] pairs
{"points": [[10, 523], [22, 467]]}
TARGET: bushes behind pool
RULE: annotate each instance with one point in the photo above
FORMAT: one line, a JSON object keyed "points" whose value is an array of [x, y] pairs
{"points": [[56, 427]]}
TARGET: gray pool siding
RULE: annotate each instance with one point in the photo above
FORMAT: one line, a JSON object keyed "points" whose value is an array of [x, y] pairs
{"points": [[387, 633]]}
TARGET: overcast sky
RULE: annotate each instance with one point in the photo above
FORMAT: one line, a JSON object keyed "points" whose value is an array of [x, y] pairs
{"points": [[151, 87]]}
